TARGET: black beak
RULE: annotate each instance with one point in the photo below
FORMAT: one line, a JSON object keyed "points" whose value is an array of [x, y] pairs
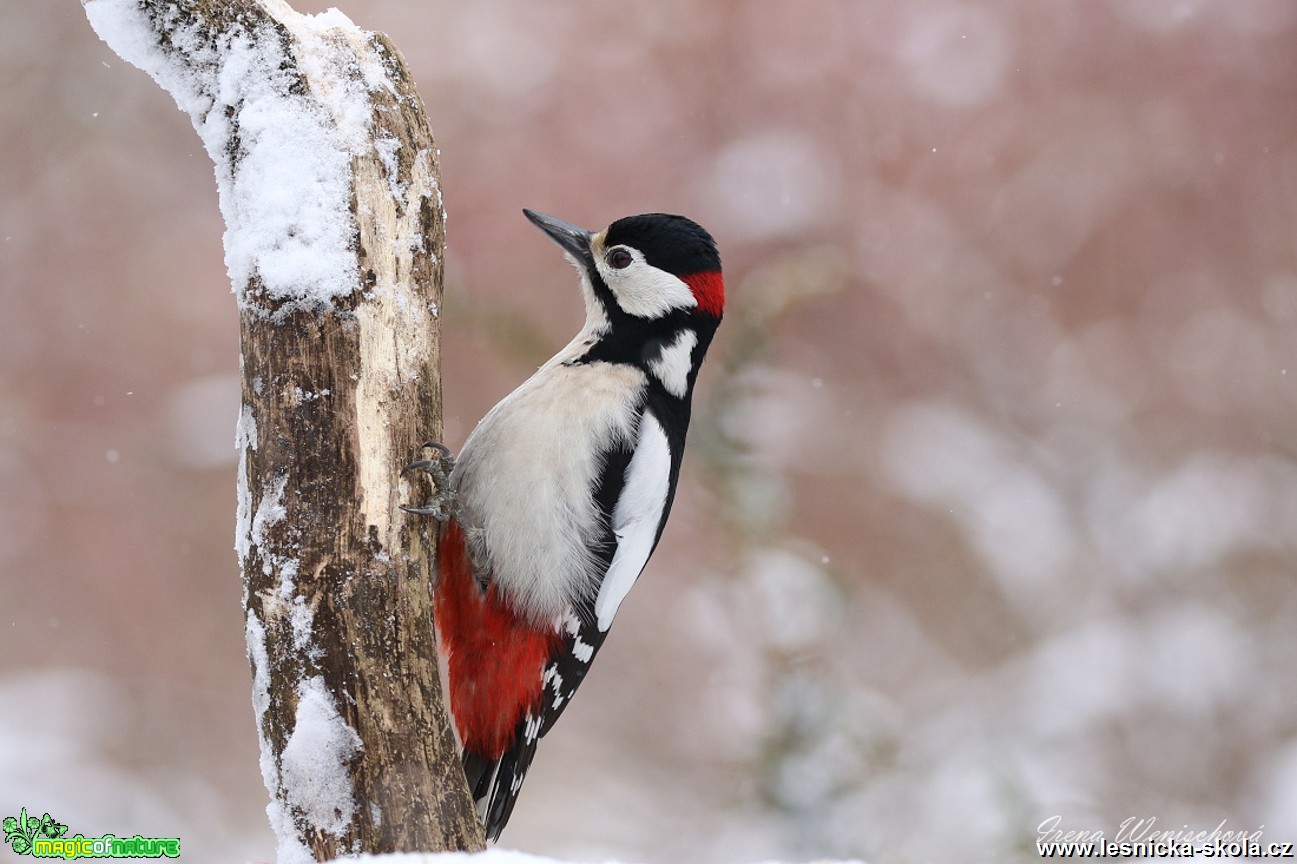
{"points": [[575, 241]]}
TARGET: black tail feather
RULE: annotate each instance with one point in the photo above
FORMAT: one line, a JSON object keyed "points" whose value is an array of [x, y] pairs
{"points": [[495, 783]]}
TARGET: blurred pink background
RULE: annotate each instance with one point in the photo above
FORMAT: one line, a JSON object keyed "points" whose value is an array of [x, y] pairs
{"points": [[990, 508]]}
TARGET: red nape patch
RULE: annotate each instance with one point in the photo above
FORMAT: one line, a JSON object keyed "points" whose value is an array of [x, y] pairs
{"points": [[496, 659], [709, 290]]}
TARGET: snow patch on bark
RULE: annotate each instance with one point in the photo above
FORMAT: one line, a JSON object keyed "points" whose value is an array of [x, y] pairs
{"points": [[311, 783], [245, 439], [291, 848], [314, 768]]}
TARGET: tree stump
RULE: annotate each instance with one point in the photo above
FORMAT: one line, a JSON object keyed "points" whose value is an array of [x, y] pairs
{"points": [[329, 185]]}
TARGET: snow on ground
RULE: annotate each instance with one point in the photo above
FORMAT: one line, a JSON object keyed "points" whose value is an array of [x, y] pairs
{"points": [[493, 855]]}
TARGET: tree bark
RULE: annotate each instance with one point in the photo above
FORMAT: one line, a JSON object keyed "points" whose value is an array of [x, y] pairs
{"points": [[329, 185]]}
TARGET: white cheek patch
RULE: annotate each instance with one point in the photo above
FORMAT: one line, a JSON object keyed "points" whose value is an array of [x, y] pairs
{"points": [[643, 290], [635, 518], [673, 365]]}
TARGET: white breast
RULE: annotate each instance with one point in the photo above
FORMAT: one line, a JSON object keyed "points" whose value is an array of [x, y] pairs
{"points": [[525, 477]]}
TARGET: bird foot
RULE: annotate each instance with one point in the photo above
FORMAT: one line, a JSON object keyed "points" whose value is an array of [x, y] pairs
{"points": [[443, 503]]}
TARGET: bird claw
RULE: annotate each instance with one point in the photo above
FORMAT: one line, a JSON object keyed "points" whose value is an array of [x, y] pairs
{"points": [[443, 503]]}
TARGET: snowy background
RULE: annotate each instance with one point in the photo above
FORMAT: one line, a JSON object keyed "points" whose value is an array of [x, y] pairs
{"points": [[990, 509]]}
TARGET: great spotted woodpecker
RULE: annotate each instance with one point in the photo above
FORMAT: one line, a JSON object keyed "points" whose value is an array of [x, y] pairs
{"points": [[560, 494]]}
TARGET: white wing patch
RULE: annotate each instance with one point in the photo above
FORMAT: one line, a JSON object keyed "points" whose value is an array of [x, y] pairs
{"points": [[635, 518], [581, 650], [672, 367]]}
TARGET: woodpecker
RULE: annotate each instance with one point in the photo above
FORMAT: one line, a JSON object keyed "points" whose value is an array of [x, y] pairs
{"points": [[560, 494]]}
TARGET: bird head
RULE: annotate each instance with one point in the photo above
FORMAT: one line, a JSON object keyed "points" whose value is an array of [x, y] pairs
{"points": [[647, 267]]}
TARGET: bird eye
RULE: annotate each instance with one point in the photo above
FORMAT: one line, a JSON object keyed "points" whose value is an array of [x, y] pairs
{"points": [[619, 258]]}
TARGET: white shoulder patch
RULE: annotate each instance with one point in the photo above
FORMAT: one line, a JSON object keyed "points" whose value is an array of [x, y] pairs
{"points": [[672, 367], [635, 518]]}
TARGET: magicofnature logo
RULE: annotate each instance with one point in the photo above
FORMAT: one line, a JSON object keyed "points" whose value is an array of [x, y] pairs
{"points": [[21, 832], [44, 838]]}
